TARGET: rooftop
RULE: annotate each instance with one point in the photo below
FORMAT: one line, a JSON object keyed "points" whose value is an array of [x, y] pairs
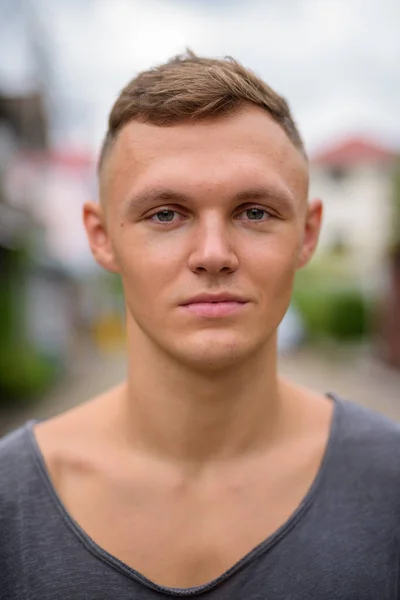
{"points": [[353, 151]]}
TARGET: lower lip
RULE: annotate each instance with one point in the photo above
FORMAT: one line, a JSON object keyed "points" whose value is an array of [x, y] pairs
{"points": [[214, 309]]}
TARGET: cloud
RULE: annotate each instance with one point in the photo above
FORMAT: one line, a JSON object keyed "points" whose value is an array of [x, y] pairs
{"points": [[335, 60]]}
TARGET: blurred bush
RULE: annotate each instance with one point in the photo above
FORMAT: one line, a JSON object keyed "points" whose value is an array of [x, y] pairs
{"points": [[24, 371], [24, 374], [331, 303]]}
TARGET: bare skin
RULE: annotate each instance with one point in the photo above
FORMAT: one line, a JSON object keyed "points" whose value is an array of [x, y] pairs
{"points": [[204, 451]]}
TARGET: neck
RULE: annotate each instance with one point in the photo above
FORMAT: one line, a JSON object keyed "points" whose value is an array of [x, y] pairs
{"points": [[194, 417]]}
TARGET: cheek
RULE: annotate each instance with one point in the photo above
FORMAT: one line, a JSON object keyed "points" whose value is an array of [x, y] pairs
{"points": [[274, 263], [145, 265]]}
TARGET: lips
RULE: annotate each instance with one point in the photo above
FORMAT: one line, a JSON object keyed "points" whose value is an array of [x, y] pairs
{"points": [[214, 305], [214, 298]]}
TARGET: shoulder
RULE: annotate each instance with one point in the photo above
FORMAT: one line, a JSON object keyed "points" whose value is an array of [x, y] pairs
{"points": [[364, 424], [368, 443], [14, 448], [17, 467]]}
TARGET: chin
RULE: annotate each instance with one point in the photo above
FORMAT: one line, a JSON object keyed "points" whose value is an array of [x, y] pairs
{"points": [[213, 353]]}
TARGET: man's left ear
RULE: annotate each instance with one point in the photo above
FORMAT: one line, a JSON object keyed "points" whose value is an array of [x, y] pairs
{"points": [[312, 228]]}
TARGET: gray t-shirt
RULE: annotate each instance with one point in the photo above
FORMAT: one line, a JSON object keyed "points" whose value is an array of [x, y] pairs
{"points": [[341, 543]]}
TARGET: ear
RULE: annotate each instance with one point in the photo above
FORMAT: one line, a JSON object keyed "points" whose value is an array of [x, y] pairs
{"points": [[312, 228], [95, 224]]}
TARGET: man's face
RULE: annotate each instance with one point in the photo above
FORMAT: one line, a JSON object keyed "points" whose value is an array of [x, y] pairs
{"points": [[206, 223]]}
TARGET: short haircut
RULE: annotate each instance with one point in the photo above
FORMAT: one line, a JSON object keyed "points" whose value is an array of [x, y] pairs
{"points": [[189, 88]]}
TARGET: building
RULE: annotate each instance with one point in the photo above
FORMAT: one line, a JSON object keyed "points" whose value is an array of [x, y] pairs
{"points": [[354, 178]]}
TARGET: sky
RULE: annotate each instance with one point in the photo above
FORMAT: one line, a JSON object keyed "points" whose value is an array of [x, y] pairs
{"points": [[335, 61]]}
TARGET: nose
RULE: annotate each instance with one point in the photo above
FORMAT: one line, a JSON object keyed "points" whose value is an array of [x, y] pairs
{"points": [[213, 249]]}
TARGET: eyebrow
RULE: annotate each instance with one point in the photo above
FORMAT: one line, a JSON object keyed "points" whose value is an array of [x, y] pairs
{"points": [[144, 200], [280, 195]]}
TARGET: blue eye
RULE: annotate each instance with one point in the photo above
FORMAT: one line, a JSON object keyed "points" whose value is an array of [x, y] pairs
{"points": [[165, 216], [255, 214]]}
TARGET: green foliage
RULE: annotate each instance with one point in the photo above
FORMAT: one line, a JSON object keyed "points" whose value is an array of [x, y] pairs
{"points": [[6, 319], [331, 305], [348, 315], [24, 374], [7, 296]]}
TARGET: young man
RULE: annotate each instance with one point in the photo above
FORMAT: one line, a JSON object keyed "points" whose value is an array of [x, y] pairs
{"points": [[205, 474]]}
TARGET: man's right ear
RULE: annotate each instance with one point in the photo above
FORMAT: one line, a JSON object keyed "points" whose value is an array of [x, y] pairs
{"points": [[99, 241]]}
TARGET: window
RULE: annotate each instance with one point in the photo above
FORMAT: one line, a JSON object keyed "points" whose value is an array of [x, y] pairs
{"points": [[338, 173]]}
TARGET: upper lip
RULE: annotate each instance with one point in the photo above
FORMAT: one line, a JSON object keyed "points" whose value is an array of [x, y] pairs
{"points": [[222, 297]]}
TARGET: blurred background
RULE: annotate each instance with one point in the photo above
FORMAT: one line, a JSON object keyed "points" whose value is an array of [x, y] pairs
{"points": [[62, 64]]}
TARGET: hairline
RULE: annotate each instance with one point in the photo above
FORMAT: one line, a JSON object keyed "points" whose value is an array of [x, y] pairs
{"points": [[111, 137]]}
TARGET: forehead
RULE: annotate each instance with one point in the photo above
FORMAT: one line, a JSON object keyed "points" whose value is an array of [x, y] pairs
{"points": [[244, 147]]}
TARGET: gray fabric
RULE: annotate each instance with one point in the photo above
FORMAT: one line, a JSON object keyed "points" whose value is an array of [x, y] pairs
{"points": [[341, 543]]}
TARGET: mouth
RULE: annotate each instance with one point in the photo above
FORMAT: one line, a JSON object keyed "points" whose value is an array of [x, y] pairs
{"points": [[207, 305]]}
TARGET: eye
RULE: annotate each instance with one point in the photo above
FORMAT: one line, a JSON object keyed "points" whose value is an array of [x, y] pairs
{"points": [[254, 213], [166, 215]]}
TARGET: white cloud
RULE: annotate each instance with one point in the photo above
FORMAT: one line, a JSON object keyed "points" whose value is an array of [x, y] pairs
{"points": [[17, 69], [335, 60]]}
